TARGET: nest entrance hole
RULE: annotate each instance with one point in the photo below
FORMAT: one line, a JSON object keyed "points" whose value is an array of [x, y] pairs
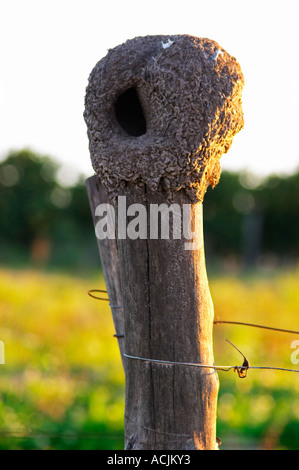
{"points": [[129, 113]]}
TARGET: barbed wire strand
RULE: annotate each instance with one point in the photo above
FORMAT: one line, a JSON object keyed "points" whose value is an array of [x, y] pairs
{"points": [[215, 367], [265, 327], [216, 322], [241, 370]]}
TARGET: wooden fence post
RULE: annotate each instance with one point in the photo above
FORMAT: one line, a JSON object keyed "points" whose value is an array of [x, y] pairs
{"points": [[108, 250], [160, 112]]}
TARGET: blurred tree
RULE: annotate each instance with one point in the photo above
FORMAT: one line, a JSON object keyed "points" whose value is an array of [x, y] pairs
{"points": [[222, 222], [280, 199], [244, 216], [247, 217], [27, 182], [38, 213]]}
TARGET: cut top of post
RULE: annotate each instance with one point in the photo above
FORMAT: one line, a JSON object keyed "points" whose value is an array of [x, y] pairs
{"points": [[160, 111]]}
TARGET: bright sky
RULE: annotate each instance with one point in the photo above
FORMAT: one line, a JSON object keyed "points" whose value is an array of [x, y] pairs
{"points": [[48, 49]]}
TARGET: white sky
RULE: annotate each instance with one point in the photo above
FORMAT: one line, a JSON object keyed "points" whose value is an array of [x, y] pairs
{"points": [[48, 49]]}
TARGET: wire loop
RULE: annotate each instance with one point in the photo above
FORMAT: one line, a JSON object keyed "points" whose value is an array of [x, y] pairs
{"points": [[91, 291]]}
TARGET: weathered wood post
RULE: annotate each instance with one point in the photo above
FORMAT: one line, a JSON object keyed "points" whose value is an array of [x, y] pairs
{"points": [[160, 112]]}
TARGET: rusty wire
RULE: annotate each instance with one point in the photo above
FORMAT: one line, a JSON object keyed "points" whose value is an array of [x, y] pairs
{"points": [[91, 294], [241, 370], [217, 322]]}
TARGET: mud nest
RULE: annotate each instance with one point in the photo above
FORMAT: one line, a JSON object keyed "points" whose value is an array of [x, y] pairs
{"points": [[160, 111]]}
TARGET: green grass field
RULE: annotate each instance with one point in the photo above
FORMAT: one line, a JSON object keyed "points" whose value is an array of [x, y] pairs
{"points": [[62, 386]]}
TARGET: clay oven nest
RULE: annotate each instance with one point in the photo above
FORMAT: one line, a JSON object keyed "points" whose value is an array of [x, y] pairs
{"points": [[160, 111]]}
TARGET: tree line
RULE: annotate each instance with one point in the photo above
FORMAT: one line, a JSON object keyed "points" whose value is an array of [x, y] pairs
{"points": [[46, 219]]}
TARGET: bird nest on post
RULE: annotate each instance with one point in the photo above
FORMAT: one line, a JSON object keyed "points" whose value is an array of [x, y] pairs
{"points": [[161, 110]]}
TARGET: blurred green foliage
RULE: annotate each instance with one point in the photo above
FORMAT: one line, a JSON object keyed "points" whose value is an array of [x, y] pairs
{"points": [[62, 386], [255, 220], [45, 216], [43, 220]]}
